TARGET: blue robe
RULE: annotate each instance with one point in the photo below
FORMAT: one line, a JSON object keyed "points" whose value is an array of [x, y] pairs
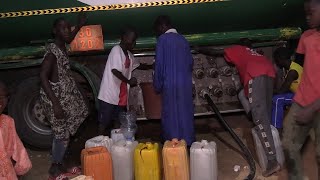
{"points": [[173, 80]]}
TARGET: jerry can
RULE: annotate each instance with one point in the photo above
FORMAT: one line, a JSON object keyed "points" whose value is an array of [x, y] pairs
{"points": [[203, 161], [104, 141], [96, 162], [117, 135], [175, 160], [147, 163], [122, 160], [260, 151]]}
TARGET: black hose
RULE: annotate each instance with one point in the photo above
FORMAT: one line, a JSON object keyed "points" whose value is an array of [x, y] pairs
{"points": [[245, 150]]}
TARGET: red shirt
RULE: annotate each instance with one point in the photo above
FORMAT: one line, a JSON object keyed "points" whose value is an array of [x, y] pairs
{"points": [[249, 63], [301, 46], [309, 87], [123, 96]]}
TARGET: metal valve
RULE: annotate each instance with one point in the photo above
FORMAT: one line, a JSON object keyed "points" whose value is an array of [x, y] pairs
{"points": [[230, 90], [199, 73], [215, 91], [213, 73], [226, 71], [203, 92]]}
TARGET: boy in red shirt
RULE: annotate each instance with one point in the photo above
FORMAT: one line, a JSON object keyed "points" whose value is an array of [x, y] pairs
{"points": [[304, 113], [257, 75]]}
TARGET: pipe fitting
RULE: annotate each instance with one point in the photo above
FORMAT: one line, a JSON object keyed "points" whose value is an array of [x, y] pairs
{"points": [[226, 71], [213, 72], [230, 90], [203, 93], [199, 73], [215, 91]]}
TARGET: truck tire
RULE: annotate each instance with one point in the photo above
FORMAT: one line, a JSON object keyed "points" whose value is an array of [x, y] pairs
{"points": [[32, 126]]}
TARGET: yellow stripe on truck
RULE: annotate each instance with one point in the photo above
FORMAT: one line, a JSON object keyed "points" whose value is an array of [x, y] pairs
{"points": [[101, 8]]}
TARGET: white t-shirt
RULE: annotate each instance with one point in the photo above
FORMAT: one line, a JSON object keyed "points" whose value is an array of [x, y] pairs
{"points": [[110, 85]]}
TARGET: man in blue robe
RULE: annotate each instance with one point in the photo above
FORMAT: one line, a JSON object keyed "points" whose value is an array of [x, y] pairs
{"points": [[173, 80]]}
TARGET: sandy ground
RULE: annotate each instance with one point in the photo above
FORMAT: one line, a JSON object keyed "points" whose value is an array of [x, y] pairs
{"points": [[206, 128]]}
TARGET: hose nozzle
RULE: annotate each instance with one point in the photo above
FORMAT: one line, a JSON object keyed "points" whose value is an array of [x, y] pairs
{"points": [[203, 93]]}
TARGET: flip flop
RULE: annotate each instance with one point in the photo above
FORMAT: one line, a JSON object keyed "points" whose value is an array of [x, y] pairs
{"points": [[75, 170]]}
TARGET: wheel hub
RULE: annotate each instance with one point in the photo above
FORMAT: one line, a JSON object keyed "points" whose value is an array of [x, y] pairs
{"points": [[34, 116], [38, 113]]}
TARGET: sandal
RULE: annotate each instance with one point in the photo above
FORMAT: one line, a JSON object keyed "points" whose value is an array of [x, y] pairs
{"points": [[75, 170]]}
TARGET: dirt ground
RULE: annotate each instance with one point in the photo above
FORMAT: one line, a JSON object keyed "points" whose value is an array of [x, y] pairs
{"points": [[206, 128]]}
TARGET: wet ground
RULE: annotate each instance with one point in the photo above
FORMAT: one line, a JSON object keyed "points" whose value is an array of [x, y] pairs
{"points": [[206, 128]]}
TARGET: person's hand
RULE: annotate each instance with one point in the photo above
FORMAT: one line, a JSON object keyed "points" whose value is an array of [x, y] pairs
{"points": [[58, 111], [82, 19], [133, 82], [304, 116]]}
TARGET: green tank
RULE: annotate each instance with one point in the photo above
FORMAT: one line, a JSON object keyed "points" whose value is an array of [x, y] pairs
{"points": [[26, 29], [24, 23]]}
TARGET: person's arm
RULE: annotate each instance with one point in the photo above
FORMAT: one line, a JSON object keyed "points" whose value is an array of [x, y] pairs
{"points": [[299, 59], [132, 82], [119, 75], [159, 67], [82, 19], [22, 163], [45, 72], [291, 76]]}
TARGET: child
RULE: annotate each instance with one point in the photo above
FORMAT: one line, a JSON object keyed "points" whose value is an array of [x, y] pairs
{"points": [[299, 56], [11, 148], [286, 92], [257, 75], [304, 112], [113, 94], [63, 104]]}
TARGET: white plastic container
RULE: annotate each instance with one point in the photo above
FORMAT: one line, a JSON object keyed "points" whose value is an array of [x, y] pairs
{"points": [[116, 135], [99, 141], [122, 160], [203, 161], [260, 151]]}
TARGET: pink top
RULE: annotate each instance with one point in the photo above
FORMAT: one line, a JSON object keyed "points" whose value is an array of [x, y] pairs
{"points": [[309, 87], [11, 148]]}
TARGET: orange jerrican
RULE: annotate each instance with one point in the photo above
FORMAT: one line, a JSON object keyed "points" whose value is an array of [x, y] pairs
{"points": [[96, 162], [175, 160]]}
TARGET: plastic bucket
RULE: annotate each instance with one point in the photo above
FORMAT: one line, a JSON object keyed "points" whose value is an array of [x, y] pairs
{"points": [[151, 100]]}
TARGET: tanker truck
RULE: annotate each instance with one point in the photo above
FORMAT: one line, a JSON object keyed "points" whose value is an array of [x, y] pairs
{"points": [[26, 30]]}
